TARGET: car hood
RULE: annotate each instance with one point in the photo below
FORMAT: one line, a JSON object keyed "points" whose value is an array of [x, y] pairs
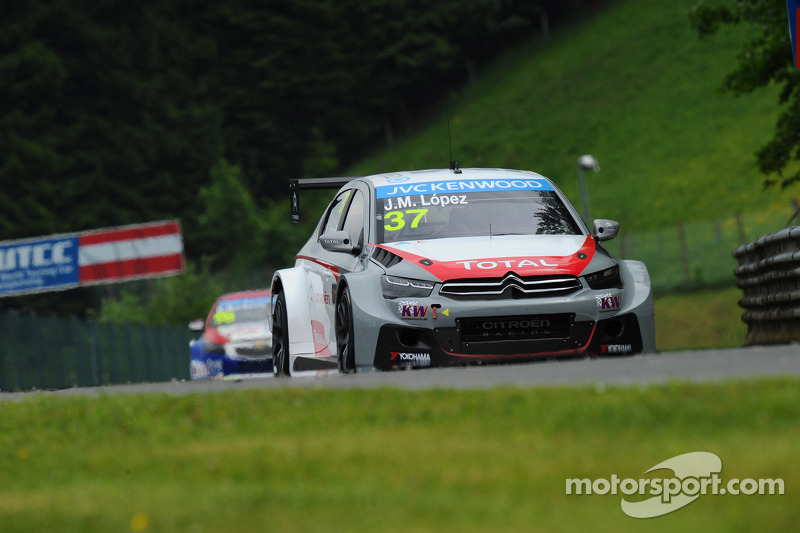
{"points": [[481, 257]]}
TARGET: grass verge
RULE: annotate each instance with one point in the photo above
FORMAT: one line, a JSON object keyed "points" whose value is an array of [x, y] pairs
{"points": [[388, 460], [696, 320]]}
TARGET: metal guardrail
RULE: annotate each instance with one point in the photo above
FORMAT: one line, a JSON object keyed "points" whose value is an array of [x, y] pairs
{"points": [[769, 276]]}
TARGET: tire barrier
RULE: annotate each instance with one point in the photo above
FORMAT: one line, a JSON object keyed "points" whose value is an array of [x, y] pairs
{"points": [[769, 276]]}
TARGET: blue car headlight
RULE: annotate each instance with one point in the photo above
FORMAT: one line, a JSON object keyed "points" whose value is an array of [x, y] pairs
{"points": [[210, 347], [396, 287]]}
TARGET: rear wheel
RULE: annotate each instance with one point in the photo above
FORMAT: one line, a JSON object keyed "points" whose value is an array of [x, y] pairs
{"points": [[344, 333], [280, 338]]}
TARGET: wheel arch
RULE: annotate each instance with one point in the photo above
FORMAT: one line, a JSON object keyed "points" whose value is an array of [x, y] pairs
{"points": [[639, 292], [366, 302], [291, 282]]}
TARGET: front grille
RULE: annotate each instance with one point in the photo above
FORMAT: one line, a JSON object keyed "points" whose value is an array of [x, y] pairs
{"points": [[501, 328], [253, 352], [510, 287], [250, 351]]}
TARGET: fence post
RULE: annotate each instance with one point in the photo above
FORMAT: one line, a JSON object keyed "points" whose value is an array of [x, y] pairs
{"points": [[687, 274], [95, 363], [740, 227]]}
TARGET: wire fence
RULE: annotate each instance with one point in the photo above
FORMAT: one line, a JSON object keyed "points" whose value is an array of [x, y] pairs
{"points": [[55, 353], [698, 255]]}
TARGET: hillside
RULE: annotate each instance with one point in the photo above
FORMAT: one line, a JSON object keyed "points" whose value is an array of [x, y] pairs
{"points": [[632, 85]]}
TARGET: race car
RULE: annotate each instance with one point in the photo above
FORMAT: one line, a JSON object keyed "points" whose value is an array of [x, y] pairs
{"points": [[236, 341], [453, 267]]}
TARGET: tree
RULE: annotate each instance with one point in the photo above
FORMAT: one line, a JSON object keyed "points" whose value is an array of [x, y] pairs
{"points": [[106, 114], [765, 59]]}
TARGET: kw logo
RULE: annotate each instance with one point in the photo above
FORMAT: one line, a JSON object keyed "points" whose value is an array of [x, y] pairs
{"points": [[608, 303], [414, 311]]}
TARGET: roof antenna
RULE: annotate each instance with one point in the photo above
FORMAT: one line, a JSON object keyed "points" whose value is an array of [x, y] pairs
{"points": [[453, 164]]}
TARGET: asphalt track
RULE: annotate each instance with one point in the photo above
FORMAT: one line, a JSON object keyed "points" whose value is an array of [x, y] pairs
{"points": [[688, 366]]}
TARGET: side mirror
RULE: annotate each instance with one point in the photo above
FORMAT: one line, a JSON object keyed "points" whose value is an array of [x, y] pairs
{"points": [[337, 241], [605, 230], [197, 325]]}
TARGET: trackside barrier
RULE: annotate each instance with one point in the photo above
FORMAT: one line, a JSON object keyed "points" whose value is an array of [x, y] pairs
{"points": [[769, 276], [55, 353]]}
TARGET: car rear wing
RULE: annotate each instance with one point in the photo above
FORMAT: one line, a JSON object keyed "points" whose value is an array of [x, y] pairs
{"points": [[308, 184]]}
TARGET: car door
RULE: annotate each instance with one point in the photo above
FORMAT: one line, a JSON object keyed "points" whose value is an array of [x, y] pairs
{"points": [[346, 213]]}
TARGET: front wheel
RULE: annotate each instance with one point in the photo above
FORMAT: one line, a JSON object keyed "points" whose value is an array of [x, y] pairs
{"points": [[280, 338], [344, 333]]}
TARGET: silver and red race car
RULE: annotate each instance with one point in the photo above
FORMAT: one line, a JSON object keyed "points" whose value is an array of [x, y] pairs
{"points": [[453, 267]]}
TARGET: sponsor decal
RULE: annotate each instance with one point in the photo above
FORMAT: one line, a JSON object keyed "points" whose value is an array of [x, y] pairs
{"points": [[412, 311], [491, 325], [411, 359], [455, 186], [607, 302], [224, 317], [320, 340], [322, 298], [109, 255], [508, 263], [198, 370], [615, 348], [211, 368], [242, 304], [514, 328]]}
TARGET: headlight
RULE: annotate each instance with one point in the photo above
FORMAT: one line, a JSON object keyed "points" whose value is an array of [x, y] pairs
{"points": [[394, 287], [605, 279], [210, 347]]}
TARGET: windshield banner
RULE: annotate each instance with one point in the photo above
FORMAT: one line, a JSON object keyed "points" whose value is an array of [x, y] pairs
{"points": [[455, 186]]}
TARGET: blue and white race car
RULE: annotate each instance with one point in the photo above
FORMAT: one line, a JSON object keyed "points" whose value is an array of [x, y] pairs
{"points": [[235, 341], [454, 267]]}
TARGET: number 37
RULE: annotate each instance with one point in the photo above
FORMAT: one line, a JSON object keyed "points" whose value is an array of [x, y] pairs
{"points": [[395, 220]]}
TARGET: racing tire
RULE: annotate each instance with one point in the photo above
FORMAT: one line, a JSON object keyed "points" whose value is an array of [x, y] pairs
{"points": [[280, 338], [344, 333]]}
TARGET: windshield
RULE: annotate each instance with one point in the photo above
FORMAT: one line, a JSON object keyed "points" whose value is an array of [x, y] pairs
{"points": [[240, 311], [462, 209]]}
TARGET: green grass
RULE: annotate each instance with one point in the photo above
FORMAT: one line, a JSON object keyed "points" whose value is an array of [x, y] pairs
{"points": [[634, 86], [388, 460], [700, 320]]}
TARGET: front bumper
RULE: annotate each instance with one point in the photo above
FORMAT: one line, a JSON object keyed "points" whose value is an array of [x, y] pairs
{"points": [[403, 346], [238, 358], [438, 331]]}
